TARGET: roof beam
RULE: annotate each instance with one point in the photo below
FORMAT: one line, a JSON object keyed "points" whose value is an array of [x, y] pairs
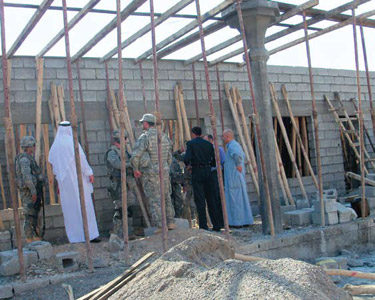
{"points": [[180, 5], [133, 6], [191, 39], [78, 17], [313, 20], [29, 27], [319, 33], [295, 11], [185, 29]]}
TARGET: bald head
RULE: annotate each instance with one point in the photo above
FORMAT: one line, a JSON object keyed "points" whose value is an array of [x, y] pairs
{"points": [[228, 135]]}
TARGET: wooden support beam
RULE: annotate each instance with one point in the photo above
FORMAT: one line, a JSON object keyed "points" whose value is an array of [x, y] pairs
{"points": [[78, 17], [2, 189], [50, 177], [29, 27], [38, 112], [185, 29], [133, 6], [60, 97], [169, 13], [183, 112], [191, 38], [295, 11]]}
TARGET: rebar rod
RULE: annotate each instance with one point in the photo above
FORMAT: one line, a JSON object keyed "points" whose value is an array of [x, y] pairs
{"points": [[257, 127], [360, 116], [158, 125], [124, 199], [316, 125], [220, 97], [75, 140], [213, 122]]}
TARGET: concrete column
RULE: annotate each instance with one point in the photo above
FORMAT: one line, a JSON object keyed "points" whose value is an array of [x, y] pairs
{"points": [[257, 15]]}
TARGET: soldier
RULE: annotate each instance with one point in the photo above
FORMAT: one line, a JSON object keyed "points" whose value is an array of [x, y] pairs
{"points": [[177, 179], [144, 160], [30, 184], [113, 161]]}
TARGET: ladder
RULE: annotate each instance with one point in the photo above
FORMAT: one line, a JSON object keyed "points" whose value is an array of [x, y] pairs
{"points": [[355, 142]]}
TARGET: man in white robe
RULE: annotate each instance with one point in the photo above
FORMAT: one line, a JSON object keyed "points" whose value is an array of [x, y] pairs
{"points": [[61, 157]]}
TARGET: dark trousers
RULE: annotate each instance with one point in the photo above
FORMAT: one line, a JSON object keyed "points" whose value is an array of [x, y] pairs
{"points": [[205, 188]]}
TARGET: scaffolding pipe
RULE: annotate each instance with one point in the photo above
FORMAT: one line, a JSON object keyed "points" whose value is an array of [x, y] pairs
{"points": [[195, 95], [257, 127], [220, 97], [316, 125], [367, 77], [143, 87], [10, 141], [360, 116], [213, 122], [75, 140], [124, 198], [158, 126]]}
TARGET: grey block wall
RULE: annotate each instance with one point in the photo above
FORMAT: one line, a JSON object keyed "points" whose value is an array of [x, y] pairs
{"points": [[327, 81]]}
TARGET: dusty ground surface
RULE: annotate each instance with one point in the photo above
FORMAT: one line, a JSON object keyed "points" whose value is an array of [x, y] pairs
{"points": [[116, 264]]}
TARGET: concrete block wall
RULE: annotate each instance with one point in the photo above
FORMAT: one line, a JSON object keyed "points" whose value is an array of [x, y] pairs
{"points": [[326, 81]]}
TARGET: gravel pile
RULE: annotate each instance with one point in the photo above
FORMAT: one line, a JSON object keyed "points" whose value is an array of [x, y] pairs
{"points": [[203, 267]]}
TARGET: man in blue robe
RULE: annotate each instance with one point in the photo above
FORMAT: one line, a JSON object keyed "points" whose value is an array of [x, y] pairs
{"points": [[238, 205]]}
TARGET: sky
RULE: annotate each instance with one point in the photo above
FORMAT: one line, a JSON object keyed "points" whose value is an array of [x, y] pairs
{"points": [[332, 50]]}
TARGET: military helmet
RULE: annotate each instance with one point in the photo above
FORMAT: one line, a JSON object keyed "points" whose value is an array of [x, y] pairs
{"points": [[27, 141], [117, 134], [148, 118]]}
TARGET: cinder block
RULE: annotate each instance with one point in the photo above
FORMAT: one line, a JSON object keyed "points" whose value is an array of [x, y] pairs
{"points": [[43, 249], [286, 208], [5, 241], [300, 217], [67, 261], [328, 194], [330, 205], [21, 287], [6, 291], [346, 214], [302, 203], [53, 210], [330, 218]]}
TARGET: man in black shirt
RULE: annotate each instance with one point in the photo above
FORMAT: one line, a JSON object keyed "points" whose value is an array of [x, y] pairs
{"points": [[200, 157]]}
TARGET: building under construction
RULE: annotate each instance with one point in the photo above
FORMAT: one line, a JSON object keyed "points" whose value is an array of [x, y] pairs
{"points": [[307, 133]]}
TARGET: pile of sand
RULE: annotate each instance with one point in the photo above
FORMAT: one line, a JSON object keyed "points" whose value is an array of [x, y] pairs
{"points": [[203, 267]]}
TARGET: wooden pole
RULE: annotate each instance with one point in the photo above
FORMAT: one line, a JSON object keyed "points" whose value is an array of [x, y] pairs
{"points": [[38, 113], [50, 177], [183, 112], [298, 135], [179, 118], [2, 189], [305, 140], [360, 289], [213, 122], [195, 95], [316, 125], [286, 140], [60, 97], [143, 87], [220, 97], [242, 140], [115, 110], [122, 135], [360, 116], [158, 123], [367, 77], [75, 140], [10, 141], [55, 105], [109, 102]]}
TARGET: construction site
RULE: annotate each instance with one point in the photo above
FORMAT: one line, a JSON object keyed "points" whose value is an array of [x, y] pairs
{"points": [[307, 134]]}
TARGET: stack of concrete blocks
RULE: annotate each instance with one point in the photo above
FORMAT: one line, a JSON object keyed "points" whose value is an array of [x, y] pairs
{"points": [[370, 194], [330, 208], [33, 252]]}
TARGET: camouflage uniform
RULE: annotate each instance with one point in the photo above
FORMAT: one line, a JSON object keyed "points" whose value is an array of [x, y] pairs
{"points": [[27, 175], [113, 162], [189, 204], [145, 159], [177, 179]]}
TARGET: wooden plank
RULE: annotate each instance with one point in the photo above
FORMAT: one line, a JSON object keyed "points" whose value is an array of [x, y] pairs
{"points": [[295, 11], [179, 117], [115, 110], [78, 17], [183, 112], [286, 140], [133, 6], [60, 97], [2, 189], [55, 105], [38, 112], [293, 139], [305, 142], [29, 27], [170, 12], [50, 177], [212, 28], [186, 29]]}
